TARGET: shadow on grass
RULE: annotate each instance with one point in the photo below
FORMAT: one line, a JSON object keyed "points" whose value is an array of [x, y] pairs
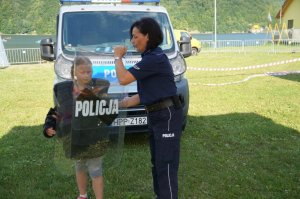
{"points": [[134, 139], [239, 155], [291, 77], [27, 168]]}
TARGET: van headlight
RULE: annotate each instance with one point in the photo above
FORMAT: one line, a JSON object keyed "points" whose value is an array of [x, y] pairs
{"points": [[62, 67], [179, 66]]}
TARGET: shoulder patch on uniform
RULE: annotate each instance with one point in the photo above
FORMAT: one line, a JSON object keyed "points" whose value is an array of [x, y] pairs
{"points": [[136, 67]]}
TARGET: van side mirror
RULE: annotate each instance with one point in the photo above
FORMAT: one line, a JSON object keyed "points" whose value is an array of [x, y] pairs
{"points": [[47, 49], [185, 46]]}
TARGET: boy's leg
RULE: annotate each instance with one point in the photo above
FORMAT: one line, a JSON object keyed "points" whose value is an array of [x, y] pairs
{"points": [[81, 176], [82, 181], [98, 184], [95, 172]]}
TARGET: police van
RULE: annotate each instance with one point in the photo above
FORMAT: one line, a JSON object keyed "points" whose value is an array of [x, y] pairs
{"points": [[94, 27]]}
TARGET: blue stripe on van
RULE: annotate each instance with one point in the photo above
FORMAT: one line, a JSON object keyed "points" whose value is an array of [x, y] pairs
{"points": [[106, 72]]}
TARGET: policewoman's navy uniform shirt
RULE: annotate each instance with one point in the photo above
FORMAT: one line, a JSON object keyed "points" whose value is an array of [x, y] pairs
{"points": [[154, 75]]}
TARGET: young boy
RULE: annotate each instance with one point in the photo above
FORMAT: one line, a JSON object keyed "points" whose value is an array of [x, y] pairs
{"points": [[82, 80]]}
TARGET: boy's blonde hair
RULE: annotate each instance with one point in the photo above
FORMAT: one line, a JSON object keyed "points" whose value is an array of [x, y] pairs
{"points": [[80, 60]]}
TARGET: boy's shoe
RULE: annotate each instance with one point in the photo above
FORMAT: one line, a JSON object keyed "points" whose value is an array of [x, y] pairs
{"points": [[79, 197]]}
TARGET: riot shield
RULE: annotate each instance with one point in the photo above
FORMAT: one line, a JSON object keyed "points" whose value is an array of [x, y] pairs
{"points": [[87, 108]]}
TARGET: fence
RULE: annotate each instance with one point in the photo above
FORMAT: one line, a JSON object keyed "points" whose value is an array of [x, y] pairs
{"points": [[245, 46], [23, 55], [33, 55]]}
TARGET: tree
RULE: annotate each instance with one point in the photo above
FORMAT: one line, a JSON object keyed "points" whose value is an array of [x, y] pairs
{"points": [[39, 16]]}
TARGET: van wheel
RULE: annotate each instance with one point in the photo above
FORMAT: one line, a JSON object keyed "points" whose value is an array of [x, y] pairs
{"points": [[194, 51]]}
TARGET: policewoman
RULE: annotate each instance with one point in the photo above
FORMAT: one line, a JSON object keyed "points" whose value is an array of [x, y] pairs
{"points": [[157, 91]]}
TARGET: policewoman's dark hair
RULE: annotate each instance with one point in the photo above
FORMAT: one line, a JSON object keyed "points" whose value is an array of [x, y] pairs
{"points": [[149, 26], [80, 60]]}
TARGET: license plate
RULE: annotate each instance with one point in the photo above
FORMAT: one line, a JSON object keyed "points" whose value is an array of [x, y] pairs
{"points": [[130, 121]]}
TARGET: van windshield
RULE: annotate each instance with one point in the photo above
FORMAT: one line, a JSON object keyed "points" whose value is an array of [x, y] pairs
{"points": [[99, 32]]}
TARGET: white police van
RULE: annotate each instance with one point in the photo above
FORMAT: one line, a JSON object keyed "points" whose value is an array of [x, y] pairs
{"points": [[94, 27]]}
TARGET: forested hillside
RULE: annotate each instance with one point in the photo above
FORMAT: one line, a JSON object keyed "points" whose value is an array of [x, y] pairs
{"points": [[28, 16], [38, 16]]}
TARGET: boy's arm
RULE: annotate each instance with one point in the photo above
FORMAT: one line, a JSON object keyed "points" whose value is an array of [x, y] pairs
{"points": [[50, 132], [49, 127]]}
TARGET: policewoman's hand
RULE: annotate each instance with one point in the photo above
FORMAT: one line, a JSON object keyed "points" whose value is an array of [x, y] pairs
{"points": [[120, 51], [124, 102]]}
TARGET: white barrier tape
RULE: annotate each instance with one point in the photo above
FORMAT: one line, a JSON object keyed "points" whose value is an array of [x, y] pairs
{"points": [[247, 67], [283, 73]]}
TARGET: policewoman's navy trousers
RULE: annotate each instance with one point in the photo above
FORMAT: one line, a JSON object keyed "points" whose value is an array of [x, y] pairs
{"points": [[165, 131]]}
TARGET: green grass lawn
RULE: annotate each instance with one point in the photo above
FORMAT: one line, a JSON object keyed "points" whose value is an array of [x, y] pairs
{"points": [[241, 141]]}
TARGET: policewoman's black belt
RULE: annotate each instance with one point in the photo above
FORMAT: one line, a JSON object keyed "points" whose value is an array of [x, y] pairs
{"points": [[171, 101]]}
